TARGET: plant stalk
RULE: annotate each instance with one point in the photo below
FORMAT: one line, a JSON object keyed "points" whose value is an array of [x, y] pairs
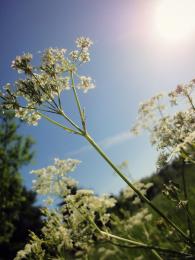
{"points": [[144, 198], [58, 124], [186, 198], [78, 103]]}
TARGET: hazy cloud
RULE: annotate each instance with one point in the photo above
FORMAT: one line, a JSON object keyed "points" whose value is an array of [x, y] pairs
{"points": [[105, 143], [115, 139]]}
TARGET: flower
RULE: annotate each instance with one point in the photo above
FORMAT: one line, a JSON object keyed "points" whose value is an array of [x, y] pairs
{"points": [[139, 218], [74, 55], [85, 83], [84, 57], [169, 130], [39, 91], [83, 43], [53, 180], [22, 63], [129, 193], [30, 116]]}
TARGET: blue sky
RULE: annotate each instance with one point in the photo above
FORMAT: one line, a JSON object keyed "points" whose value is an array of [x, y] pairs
{"points": [[130, 62]]}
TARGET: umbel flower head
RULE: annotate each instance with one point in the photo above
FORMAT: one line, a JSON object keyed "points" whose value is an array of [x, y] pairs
{"points": [[54, 179], [39, 88], [171, 132], [67, 228]]}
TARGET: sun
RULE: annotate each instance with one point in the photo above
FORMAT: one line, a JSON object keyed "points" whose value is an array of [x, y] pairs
{"points": [[175, 19]]}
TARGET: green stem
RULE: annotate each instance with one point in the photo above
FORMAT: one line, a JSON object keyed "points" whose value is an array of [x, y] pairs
{"points": [[58, 124], [137, 244], [38, 109], [144, 198], [61, 112], [78, 103], [157, 255], [190, 101], [148, 240], [59, 100], [186, 198]]}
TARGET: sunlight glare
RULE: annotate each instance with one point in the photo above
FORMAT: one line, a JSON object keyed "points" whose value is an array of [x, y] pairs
{"points": [[175, 19]]}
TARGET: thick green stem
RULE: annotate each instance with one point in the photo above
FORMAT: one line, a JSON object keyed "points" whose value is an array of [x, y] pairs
{"points": [[144, 198]]}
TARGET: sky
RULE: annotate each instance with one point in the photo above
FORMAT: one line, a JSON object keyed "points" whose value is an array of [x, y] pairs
{"points": [[140, 48]]}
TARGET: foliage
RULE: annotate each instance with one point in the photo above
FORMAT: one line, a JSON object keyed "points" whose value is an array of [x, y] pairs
{"points": [[155, 231], [16, 203]]}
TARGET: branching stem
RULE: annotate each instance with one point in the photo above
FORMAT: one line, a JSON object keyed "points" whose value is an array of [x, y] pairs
{"points": [[60, 125], [144, 198], [78, 103]]}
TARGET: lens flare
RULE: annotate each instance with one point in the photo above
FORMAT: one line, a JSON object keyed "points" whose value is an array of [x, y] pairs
{"points": [[175, 19]]}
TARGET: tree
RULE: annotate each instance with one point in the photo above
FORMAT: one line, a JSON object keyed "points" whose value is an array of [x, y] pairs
{"points": [[17, 213]]}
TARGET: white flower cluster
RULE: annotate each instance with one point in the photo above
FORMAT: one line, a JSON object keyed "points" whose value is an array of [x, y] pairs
{"points": [[31, 117], [54, 61], [55, 235], [88, 204], [68, 229], [85, 83], [78, 209], [170, 133], [187, 148], [53, 180], [168, 130], [143, 216], [33, 248], [129, 193], [83, 43], [147, 113], [81, 55], [182, 90], [40, 88], [22, 63]]}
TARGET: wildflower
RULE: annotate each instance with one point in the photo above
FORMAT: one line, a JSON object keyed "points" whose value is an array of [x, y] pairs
{"points": [[7, 87], [168, 131], [139, 218], [31, 117], [22, 63], [83, 43], [40, 90], [179, 89], [84, 57], [128, 193], [74, 55], [85, 83], [53, 180], [65, 228]]}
